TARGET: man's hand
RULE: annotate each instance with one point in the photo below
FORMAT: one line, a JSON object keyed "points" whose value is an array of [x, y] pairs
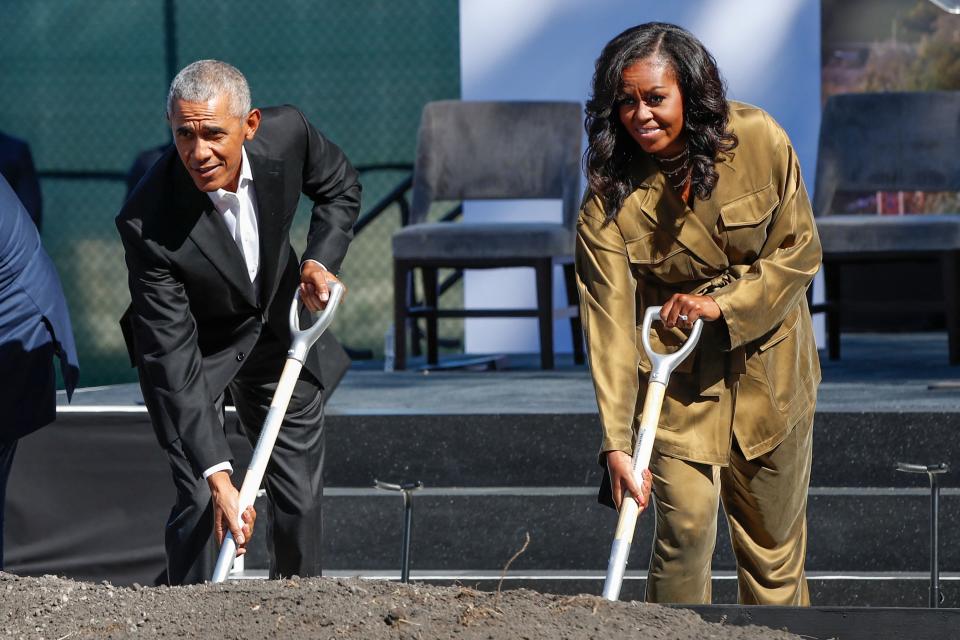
{"points": [[620, 466], [225, 499], [314, 290], [691, 307]]}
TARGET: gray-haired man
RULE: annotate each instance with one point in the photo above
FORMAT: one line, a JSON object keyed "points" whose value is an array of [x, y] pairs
{"points": [[212, 275]]}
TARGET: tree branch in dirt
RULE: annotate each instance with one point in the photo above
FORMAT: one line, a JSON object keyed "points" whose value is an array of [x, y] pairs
{"points": [[503, 574]]}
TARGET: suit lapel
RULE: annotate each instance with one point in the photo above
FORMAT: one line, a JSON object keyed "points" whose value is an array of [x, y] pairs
{"points": [[209, 232], [268, 183], [663, 206]]}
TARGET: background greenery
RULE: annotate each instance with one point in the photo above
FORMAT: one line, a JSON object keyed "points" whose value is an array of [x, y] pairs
{"points": [[889, 45]]}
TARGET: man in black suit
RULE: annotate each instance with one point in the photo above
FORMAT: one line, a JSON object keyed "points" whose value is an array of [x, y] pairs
{"points": [[212, 276]]}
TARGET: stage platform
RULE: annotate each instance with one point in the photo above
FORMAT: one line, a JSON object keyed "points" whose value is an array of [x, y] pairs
{"points": [[506, 453], [878, 373]]}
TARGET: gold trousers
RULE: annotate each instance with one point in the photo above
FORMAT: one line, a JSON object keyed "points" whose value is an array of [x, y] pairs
{"points": [[765, 500]]}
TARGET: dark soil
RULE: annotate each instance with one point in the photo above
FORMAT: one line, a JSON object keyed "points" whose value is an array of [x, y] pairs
{"points": [[57, 609]]}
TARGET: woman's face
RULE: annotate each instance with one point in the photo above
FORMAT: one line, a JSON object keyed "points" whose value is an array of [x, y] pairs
{"points": [[651, 106]]}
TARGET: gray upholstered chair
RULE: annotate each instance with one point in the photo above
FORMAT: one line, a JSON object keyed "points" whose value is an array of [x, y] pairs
{"points": [[889, 142], [484, 151]]}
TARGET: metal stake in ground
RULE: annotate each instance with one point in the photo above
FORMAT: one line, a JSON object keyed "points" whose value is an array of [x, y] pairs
{"points": [[661, 366], [407, 489], [303, 339], [932, 471]]}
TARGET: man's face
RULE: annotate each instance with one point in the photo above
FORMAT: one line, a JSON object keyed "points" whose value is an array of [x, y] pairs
{"points": [[210, 141]]}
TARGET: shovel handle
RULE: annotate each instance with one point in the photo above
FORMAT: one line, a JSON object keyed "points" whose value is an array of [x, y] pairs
{"points": [[303, 339], [259, 461], [661, 366]]}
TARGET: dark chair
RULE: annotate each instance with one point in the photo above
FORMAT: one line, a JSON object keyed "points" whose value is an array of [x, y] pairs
{"points": [[889, 142], [484, 151]]}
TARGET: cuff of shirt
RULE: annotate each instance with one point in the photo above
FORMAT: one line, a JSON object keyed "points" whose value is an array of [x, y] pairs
{"points": [[223, 466], [323, 266]]}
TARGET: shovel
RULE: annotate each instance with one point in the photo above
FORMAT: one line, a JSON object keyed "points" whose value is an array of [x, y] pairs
{"points": [[303, 339], [661, 366]]}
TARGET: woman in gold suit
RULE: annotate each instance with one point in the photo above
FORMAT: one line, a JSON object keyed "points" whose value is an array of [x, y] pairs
{"points": [[696, 203]]}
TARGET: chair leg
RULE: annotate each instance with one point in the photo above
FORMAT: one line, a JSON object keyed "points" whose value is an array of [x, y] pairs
{"points": [[400, 295], [831, 278], [573, 299], [416, 335], [950, 262], [429, 275], [544, 270]]}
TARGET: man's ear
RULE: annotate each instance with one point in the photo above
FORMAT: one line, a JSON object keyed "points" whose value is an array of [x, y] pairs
{"points": [[251, 124]]}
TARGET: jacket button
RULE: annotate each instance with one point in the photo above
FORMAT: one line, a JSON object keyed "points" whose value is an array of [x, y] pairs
{"points": [[240, 357]]}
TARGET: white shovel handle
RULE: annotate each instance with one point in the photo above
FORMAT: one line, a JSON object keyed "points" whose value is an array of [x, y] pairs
{"points": [[661, 366], [303, 339]]}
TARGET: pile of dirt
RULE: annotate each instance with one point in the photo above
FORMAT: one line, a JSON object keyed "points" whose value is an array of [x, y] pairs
{"points": [[58, 609]]}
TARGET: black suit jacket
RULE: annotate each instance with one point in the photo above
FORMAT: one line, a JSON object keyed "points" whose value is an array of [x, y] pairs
{"points": [[194, 315]]}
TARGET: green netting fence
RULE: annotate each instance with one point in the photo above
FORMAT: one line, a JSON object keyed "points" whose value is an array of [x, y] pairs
{"points": [[84, 82]]}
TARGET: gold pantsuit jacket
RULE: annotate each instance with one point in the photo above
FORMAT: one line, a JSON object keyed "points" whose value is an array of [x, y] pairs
{"points": [[753, 247]]}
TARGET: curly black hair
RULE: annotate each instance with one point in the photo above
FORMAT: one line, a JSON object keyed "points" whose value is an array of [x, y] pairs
{"points": [[705, 112]]}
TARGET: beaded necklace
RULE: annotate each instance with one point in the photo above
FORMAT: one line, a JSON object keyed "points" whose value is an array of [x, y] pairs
{"points": [[683, 171]]}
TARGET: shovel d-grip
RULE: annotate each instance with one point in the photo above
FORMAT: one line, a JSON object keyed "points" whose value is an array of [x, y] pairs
{"points": [[302, 340], [661, 366]]}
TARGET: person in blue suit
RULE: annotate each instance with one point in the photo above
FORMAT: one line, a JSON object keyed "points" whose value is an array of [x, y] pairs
{"points": [[34, 327], [16, 165]]}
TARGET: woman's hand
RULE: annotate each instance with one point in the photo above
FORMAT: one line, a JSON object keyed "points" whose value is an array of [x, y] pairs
{"points": [[691, 307], [620, 466]]}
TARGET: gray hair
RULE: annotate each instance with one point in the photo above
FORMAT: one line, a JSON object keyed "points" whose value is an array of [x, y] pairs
{"points": [[205, 80]]}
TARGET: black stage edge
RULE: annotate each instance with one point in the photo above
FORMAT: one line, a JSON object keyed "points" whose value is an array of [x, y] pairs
{"points": [[89, 495], [840, 623]]}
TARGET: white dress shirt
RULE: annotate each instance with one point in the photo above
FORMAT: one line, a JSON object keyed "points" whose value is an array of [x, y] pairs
{"points": [[239, 211]]}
